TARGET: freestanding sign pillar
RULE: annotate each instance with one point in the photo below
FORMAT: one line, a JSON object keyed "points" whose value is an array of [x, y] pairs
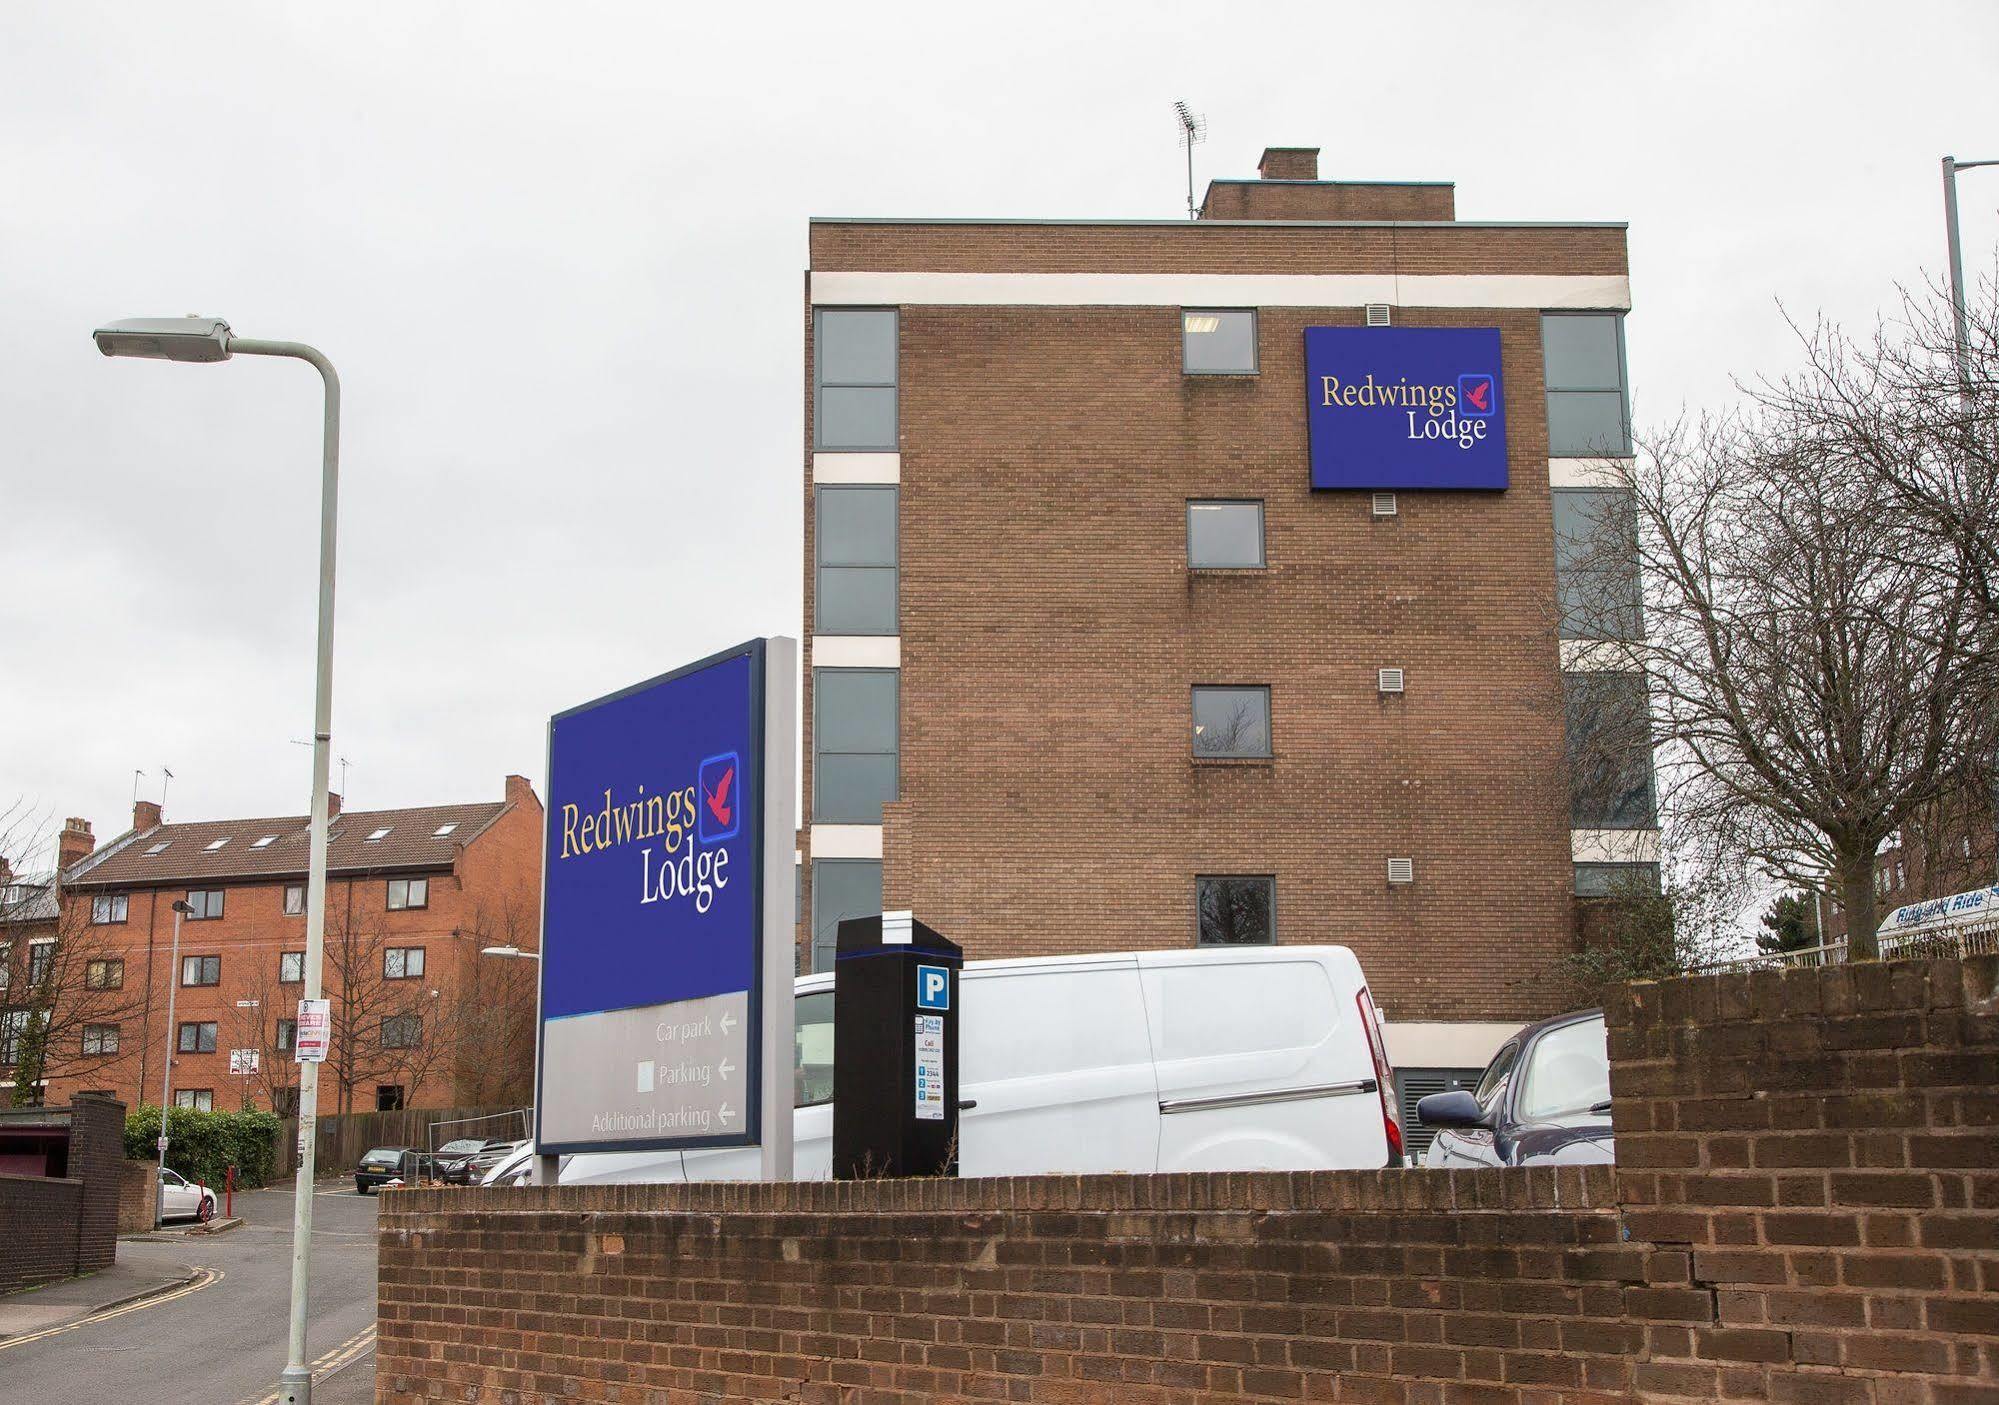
{"points": [[668, 907]]}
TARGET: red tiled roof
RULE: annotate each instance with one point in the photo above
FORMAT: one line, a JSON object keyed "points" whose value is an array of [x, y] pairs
{"points": [[411, 843]]}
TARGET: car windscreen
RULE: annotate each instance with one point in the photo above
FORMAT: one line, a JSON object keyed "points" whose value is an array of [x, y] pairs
{"points": [[383, 1156], [460, 1147], [1568, 1071]]}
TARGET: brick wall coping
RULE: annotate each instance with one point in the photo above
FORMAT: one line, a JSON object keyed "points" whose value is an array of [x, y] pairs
{"points": [[1811, 992], [1575, 1188], [41, 1180]]}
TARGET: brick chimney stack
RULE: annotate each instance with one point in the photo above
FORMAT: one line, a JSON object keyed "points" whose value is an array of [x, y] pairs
{"points": [[332, 805], [1289, 163], [145, 815], [519, 792], [74, 843]]}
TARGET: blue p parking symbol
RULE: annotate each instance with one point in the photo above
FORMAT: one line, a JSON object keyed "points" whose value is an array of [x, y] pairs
{"points": [[933, 988]]}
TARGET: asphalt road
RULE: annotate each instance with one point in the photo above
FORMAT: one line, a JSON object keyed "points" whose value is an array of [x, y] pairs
{"points": [[224, 1343]]}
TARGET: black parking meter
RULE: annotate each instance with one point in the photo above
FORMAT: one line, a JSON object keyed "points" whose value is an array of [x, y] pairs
{"points": [[895, 1049]]}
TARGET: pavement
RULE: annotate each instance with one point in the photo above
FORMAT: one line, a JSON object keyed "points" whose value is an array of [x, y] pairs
{"points": [[208, 1326]]}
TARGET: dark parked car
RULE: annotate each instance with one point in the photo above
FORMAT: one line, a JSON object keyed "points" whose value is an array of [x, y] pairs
{"points": [[467, 1161], [1544, 1100], [402, 1164]]}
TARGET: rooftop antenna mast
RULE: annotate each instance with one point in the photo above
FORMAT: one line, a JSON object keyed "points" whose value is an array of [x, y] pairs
{"points": [[1193, 131], [167, 779]]}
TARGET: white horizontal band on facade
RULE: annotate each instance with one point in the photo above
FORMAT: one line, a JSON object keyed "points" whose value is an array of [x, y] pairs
{"points": [[1614, 845], [1444, 1044], [856, 651], [1535, 290], [846, 841], [1589, 473], [856, 468], [1602, 656]]}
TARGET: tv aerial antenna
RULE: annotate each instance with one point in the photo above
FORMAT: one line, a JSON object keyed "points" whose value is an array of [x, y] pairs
{"points": [[1193, 131]]}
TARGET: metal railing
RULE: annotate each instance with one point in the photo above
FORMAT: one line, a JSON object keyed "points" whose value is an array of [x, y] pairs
{"points": [[511, 1125], [1972, 939]]}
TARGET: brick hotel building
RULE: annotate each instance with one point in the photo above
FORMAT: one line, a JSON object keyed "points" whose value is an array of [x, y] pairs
{"points": [[1093, 667]]}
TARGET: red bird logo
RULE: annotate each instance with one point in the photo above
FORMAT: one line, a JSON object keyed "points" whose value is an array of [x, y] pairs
{"points": [[718, 798], [1480, 395]]}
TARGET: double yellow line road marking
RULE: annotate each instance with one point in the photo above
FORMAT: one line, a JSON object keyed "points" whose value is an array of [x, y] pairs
{"points": [[346, 1354], [203, 1277]]}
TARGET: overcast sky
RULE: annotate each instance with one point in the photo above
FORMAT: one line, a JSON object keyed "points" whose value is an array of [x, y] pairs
{"points": [[555, 251]]}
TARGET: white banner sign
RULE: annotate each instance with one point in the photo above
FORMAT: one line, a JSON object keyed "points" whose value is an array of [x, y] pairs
{"points": [[243, 1062], [315, 1031]]}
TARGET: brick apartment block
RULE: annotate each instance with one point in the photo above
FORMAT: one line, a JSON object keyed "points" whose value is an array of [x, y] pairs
{"points": [[420, 1018], [1005, 622]]}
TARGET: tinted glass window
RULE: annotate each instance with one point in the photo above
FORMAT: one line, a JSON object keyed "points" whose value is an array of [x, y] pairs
{"points": [[1218, 341], [841, 888], [1223, 534], [1568, 1070], [1492, 1084], [812, 1049], [1232, 721], [1596, 564], [1236, 911], [1602, 880], [854, 391], [854, 743], [1610, 751], [855, 536], [856, 346], [1580, 351], [1586, 422]]}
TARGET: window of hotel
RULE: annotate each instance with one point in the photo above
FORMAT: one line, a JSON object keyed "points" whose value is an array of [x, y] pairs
{"points": [[195, 1099], [6, 965], [206, 902], [1609, 730], [100, 1039], [294, 899], [1231, 722], [13, 1025], [854, 534], [1583, 357], [1218, 341], [402, 963], [107, 908], [1225, 535], [1602, 880], [854, 365], [104, 975], [201, 970], [402, 1031], [287, 1035], [1596, 564], [197, 1037], [291, 967], [41, 962], [1235, 910], [405, 893], [854, 743], [841, 888]]}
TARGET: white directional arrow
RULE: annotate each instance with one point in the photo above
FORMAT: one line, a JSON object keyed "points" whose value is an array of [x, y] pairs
{"points": [[726, 1113], [725, 1068], [728, 1022]]}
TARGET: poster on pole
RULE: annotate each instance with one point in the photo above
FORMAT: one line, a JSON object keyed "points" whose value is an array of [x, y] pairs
{"points": [[653, 969], [315, 1031]]}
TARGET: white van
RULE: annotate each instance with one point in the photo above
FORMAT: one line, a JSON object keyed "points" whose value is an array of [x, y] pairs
{"points": [[1210, 1059]]}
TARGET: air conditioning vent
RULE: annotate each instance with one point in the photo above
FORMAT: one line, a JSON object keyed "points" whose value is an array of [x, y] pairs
{"points": [[1415, 1084], [1402, 870], [1390, 680], [1377, 314], [1384, 504]]}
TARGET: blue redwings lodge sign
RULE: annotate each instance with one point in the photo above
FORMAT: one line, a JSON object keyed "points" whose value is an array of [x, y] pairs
{"points": [[1405, 407]]}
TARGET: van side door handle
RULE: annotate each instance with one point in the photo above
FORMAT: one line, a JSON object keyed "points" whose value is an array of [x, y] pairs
{"points": [[967, 1104]]}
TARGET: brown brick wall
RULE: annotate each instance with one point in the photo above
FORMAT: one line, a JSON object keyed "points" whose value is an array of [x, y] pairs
{"points": [[1303, 198], [97, 1157], [1203, 246], [1808, 1211], [38, 1219]]}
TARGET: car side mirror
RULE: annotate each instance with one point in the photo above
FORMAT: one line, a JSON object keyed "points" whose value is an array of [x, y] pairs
{"points": [[1457, 1108]]}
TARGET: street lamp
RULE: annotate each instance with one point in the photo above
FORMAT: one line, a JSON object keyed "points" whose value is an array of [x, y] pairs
{"points": [[1960, 328], [204, 339], [510, 951], [181, 907]]}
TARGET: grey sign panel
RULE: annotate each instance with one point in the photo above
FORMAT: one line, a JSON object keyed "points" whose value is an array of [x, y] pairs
{"points": [[676, 1070]]}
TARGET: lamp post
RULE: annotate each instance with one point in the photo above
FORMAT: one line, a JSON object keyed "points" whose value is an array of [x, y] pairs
{"points": [[167, 1076], [1960, 325], [510, 951], [201, 340]]}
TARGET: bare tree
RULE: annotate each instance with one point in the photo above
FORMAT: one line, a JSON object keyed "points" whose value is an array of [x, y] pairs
{"points": [[66, 1008], [1816, 671], [488, 1021], [383, 1024]]}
